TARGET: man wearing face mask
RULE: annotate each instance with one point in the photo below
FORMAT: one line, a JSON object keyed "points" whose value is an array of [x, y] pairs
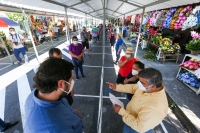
{"points": [[56, 53], [133, 77], [85, 38], [148, 106], [126, 63], [17, 40], [46, 109]]}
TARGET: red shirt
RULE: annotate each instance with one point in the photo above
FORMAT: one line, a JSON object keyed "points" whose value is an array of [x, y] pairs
{"points": [[127, 68]]}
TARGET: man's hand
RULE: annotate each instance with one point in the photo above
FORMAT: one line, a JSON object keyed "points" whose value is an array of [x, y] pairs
{"points": [[78, 112], [111, 85], [78, 57], [116, 108], [126, 81]]}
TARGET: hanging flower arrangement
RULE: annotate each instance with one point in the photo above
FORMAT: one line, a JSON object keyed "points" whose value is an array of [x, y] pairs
{"points": [[168, 19], [153, 19], [175, 18], [183, 17], [160, 18], [145, 19], [192, 20]]}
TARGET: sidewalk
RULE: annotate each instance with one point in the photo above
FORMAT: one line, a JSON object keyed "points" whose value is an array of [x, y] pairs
{"points": [[186, 100]]}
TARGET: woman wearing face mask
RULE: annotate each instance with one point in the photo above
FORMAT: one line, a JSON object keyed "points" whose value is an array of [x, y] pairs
{"points": [[112, 38], [126, 63], [76, 50], [133, 77]]}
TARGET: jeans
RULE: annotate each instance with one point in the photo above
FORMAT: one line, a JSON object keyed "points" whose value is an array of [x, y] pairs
{"points": [[57, 34], [76, 66], [128, 129], [17, 52], [124, 33], [2, 125], [117, 56]]}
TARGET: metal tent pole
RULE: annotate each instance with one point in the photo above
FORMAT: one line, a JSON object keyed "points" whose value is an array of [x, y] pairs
{"points": [[86, 21], [30, 34], [67, 26], [123, 23], [2, 41], [139, 33]]}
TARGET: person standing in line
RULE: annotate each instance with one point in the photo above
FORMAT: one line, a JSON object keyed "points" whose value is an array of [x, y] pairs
{"points": [[125, 65], [133, 77], [118, 48], [85, 39], [56, 53], [17, 40], [46, 109], [124, 31], [117, 31], [5, 126], [90, 40], [148, 106], [94, 34], [112, 39], [55, 29], [98, 33], [76, 50]]}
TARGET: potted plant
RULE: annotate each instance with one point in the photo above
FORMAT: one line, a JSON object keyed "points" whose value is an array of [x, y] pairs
{"points": [[194, 44]]}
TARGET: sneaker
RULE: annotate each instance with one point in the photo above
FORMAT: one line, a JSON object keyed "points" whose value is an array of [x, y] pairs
{"points": [[77, 77], [83, 76], [20, 63]]}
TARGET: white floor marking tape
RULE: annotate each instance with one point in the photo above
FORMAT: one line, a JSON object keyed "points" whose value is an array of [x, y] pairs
{"points": [[163, 127], [67, 54], [5, 63], [23, 69], [93, 96], [2, 102], [23, 91]]}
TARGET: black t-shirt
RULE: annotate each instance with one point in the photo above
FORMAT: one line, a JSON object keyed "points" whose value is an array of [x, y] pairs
{"points": [[130, 76]]}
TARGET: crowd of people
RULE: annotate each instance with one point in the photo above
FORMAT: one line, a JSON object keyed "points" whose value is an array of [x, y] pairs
{"points": [[49, 107]]}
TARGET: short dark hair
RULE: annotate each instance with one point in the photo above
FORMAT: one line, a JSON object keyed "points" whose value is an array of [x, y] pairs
{"points": [[74, 37], [153, 76], [50, 72], [11, 28], [139, 64], [54, 50], [83, 26]]}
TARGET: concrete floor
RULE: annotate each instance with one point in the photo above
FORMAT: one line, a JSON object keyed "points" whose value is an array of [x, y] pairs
{"points": [[87, 93]]}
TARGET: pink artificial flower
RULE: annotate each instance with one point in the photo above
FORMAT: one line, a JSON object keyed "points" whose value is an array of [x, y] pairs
{"points": [[194, 35]]}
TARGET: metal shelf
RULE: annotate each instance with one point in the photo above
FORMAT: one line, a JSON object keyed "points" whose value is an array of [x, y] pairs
{"points": [[191, 71]]}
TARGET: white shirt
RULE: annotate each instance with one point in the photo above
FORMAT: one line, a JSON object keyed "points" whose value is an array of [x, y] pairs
{"points": [[17, 38], [55, 29]]}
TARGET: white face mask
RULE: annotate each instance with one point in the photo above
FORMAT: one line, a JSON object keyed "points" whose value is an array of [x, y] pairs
{"points": [[12, 32], [141, 87], [128, 55], [75, 42], [134, 72], [71, 87]]}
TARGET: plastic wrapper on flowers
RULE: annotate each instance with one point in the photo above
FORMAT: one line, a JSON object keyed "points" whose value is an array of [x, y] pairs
{"points": [[183, 17], [168, 19], [167, 47]]}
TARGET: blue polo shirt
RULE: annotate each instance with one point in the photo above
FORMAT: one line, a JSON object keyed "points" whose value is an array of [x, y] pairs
{"points": [[50, 117], [118, 44]]}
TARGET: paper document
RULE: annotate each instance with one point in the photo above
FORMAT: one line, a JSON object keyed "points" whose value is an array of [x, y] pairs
{"points": [[115, 100]]}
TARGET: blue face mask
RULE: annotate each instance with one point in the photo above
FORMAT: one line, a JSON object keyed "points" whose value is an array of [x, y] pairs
{"points": [[75, 42]]}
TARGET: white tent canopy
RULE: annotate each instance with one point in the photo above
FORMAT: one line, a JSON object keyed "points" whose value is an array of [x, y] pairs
{"points": [[114, 8]]}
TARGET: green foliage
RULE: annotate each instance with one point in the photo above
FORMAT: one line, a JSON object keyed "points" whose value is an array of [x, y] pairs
{"points": [[194, 45], [150, 54], [16, 17], [3, 35]]}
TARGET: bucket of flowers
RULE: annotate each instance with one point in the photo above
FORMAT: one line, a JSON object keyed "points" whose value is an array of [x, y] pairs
{"points": [[194, 44]]}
